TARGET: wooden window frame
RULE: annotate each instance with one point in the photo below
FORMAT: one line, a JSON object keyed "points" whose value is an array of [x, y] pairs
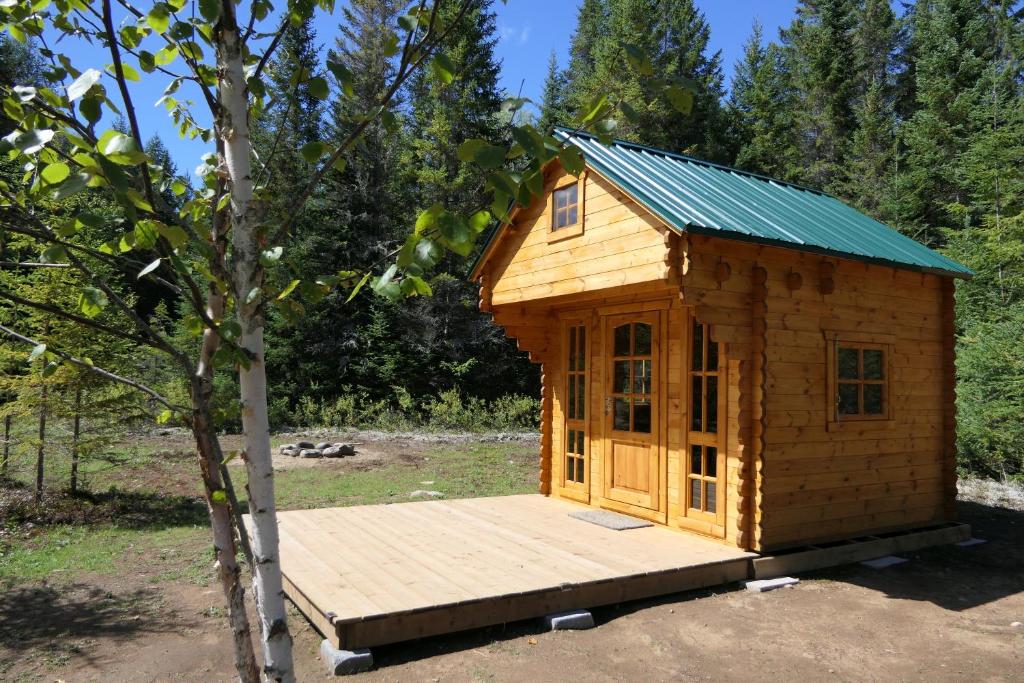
{"points": [[576, 489], [834, 339], [708, 522], [576, 229]]}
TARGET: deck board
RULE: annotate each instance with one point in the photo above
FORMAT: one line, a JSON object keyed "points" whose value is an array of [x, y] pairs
{"points": [[383, 573]]}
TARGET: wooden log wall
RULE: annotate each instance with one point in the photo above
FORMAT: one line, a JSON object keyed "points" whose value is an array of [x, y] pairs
{"points": [[816, 482], [618, 247]]}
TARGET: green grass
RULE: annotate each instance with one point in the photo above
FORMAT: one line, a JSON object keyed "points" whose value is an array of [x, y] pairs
{"points": [[457, 471], [65, 552]]}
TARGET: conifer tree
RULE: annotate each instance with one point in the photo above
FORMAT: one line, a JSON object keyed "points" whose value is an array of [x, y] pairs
{"points": [[591, 27], [555, 109]]}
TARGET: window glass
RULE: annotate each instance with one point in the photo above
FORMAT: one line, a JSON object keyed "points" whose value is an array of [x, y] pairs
{"points": [[572, 348], [642, 416], [695, 493], [873, 364], [712, 356], [621, 416], [579, 470], [581, 403], [848, 403], [712, 419], [696, 456], [620, 384], [696, 404], [641, 377], [711, 497], [848, 364], [571, 412], [566, 207], [622, 340], [581, 349], [712, 462], [872, 399], [642, 344], [698, 346]]}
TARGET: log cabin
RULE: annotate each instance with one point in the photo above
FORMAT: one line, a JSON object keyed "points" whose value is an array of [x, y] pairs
{"points": [[728, 354]]}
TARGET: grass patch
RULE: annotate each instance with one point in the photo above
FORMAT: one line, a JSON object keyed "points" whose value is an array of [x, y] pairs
{"points": [[65, 553], [457, 471]]}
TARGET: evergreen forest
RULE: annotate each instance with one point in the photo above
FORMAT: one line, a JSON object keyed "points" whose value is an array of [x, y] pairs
{"points": [[912, 112]]}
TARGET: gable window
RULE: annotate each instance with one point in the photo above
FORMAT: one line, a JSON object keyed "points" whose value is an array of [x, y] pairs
{"points": [[859, 373], [566, 206]]}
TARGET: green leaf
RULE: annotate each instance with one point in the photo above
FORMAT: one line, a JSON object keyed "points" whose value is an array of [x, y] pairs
{"points": [[288, 290], [572, 160], [312, 151], [359, 286], [148, 269], [467, 150], [269, 257], [92, 301], [318, 88], [413, 285], [490, 157], [479, 220], [55, 173], [531, 141], [638, 59], [72, 186], [37, 351], [174, 234], [230, 329], [50, 368], [443, 68], [54, 254], [31, 141], [210, 9], [146, 234], [164, 417], [120, 148], [159, 18], [83, 84], [680, 98], [219, 497], [428, 218], [91, 109]]}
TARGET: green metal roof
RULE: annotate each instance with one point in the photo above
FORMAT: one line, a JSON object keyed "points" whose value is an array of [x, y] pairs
{"points": [[697, 196]]}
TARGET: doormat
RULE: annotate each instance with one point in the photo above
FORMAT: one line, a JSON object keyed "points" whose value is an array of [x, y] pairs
{"points": [[610, 520]]}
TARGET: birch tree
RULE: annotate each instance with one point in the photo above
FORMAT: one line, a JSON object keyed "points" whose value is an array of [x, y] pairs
{"points": [[221, 254]]}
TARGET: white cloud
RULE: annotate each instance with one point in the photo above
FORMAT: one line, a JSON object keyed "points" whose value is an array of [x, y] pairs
{"points": [[513, 34]]}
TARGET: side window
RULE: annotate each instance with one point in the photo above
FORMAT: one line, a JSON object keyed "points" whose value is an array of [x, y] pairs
{"points": [[861, 383], [702, 472], [567, 208], [576, 404]]}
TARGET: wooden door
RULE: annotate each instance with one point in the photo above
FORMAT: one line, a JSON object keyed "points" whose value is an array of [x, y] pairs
{"points": [[631, 453]]}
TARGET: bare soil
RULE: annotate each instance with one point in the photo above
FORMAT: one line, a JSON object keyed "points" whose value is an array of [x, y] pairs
{"points": [[947, 615]]}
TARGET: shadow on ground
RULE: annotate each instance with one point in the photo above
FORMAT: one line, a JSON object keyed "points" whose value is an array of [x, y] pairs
{"points": [[126, 509], [953, 577], [58, 619]]}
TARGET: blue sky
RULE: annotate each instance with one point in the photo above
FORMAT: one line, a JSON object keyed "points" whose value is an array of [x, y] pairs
{"points": [[529, 30]]}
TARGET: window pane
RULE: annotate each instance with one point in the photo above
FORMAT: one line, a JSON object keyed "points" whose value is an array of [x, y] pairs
{"points": [[641, 377], [873, 399], [579, 470], [696, 467], [581, 401], [712, 355], [570, 468], [712, 492], [572, 348], [642, 345], [698, 346], [711, 425], [622, 340], [561, 198], [695, 494], [571, 394], [571, 448], [711, 467], [848, 364], [620, 383], [573, 215], [621, 417], [873, 364], [696, 415], [642, 416], [848, 403], [571, 194], [581, 349]]}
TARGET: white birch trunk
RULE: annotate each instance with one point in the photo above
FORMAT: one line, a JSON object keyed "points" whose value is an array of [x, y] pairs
{"points": [[247, 274]]}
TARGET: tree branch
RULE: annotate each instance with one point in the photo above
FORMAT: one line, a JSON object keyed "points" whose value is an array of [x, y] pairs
{"points": [[98, 370]]}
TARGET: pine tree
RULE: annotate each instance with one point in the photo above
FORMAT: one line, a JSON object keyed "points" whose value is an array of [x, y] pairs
{"points": [[819, 46], [760, 111], [591, 27], [554, 108]]}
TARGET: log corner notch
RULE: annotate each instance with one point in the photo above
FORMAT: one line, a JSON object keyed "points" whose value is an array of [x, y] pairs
{"points": [[546, 424], [484, 303], [749, 535], [949, 398]]}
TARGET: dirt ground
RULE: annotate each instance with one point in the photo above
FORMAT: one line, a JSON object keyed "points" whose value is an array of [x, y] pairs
{"points": [[948, 614]]}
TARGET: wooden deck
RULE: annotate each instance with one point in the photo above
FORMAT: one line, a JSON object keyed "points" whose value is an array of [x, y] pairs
{"points": [[377, 574]]}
